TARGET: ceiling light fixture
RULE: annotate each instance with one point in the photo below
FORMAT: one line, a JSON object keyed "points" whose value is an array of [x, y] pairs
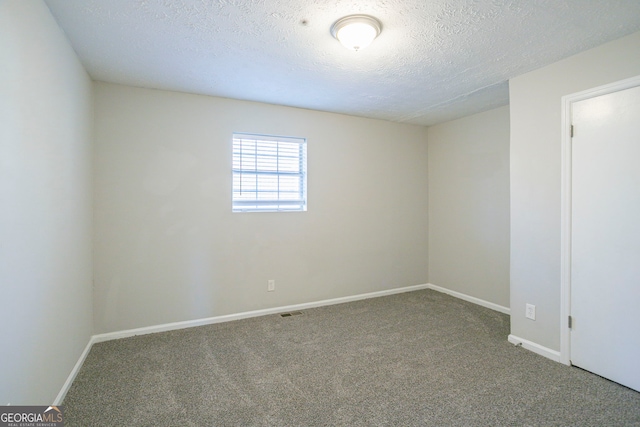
{"points": [[356, 32]]}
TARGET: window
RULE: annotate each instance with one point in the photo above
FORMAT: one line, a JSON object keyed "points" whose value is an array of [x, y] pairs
{"points": [[269, 173]]}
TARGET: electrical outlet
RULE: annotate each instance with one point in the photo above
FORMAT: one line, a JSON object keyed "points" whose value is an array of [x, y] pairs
{"points": [[531, 312], [271, 285]]}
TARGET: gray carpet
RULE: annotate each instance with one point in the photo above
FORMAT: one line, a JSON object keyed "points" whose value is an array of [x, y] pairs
{"points": [[415, 359]]}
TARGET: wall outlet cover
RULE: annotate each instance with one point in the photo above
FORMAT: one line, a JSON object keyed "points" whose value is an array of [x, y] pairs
{"points": [[530, 312]]}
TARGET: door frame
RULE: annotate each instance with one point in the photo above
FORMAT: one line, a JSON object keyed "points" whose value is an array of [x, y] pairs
{"points": [[565, 209]]}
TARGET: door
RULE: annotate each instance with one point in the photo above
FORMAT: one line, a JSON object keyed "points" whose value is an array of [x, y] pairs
{"points": [[605, 236]]}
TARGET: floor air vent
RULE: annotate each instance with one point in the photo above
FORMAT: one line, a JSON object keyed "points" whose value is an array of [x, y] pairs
{"points": [[293, 313]]}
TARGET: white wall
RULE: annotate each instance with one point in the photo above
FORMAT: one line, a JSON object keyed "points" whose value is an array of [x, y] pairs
{"points": [[168, 248], [469, 205], [45, 205], [535, 178]]}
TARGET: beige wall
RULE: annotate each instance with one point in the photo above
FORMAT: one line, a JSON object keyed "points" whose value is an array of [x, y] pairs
{"points": [[535, 178], [469, 205], [168, 248], [45, 205]]}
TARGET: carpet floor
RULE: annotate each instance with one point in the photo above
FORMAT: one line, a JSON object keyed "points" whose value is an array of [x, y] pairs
{"points": [[420, 358]]}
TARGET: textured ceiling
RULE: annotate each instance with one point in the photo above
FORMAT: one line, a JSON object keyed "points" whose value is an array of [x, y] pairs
{"points": [[435, 60]]}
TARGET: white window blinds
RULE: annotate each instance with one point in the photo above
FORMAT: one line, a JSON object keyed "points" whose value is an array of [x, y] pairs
{"points": [[269, 173]]}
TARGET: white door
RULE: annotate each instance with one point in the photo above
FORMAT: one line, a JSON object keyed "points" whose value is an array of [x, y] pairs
{"points": [[605, 236]]}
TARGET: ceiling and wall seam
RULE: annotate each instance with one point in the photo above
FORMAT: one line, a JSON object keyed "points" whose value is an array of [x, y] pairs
{"points": [[433, 62]]}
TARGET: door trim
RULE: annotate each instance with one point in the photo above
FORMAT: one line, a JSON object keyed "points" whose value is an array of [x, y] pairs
{"points": [[565, 200]]}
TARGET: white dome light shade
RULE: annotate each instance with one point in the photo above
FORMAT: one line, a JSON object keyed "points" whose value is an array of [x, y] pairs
{"points": [[356, 32]]}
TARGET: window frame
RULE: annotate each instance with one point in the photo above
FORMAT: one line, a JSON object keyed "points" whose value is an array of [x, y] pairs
{"points": [[262, 185]]}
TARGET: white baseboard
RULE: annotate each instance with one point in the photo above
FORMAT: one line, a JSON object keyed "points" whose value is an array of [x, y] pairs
{"points": [[217, 319], [487, 304], [529, 345], [536, 348], [256, 313], [74, 372], [247, 314]]}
